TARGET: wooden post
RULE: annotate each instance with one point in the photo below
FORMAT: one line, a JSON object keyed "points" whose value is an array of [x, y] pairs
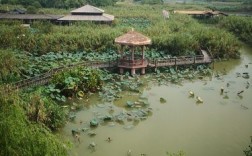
{"points": [[143, 71], [133, 71], [121, 70], [142, 55], [132, 53]]}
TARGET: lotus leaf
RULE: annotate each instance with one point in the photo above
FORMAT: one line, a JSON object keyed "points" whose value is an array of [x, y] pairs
{"points": [[94, 122], [162, 100], [130, 103], [80, 94]]}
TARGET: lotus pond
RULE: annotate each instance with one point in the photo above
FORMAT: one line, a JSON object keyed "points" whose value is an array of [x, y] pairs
{"points": [[164, 117]]}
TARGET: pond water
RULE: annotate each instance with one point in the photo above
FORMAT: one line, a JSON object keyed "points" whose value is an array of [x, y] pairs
{"points": [[221, 125]]}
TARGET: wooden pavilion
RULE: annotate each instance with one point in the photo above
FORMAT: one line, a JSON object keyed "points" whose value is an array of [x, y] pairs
{"points": [[87, 13], [133, 60]]}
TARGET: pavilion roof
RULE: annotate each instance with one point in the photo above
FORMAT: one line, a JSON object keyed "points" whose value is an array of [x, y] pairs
{"points": [[103, 17], [88, 13], [133, 38], [88, 9]]}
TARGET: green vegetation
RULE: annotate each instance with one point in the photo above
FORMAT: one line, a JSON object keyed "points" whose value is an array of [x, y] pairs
{"points": [[75, 82], [248, 151], [43, 110], [150, 1], [231, 6], [240, 26], [20, 136], [178, 35], [179, 153], [28, 52], [9, 65]]}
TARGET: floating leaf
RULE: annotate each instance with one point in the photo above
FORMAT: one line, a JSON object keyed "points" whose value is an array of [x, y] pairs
{"points": [[162, 100]]}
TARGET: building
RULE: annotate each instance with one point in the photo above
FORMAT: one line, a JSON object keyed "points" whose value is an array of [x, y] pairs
{"points": [[87, 13], [29, 18], [198, 13]]}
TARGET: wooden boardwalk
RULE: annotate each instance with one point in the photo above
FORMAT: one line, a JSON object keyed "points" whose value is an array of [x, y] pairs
{"points": [[46, 77], [183, 60]]}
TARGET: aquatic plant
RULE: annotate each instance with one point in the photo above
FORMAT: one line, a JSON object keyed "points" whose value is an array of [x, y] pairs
{"points": [[54, 93], [179, 153], [74, 83], [162, 100], [118, 83], [248, 151]]}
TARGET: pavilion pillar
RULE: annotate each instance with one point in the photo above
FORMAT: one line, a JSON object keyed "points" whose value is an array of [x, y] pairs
{"points": [[133, 71], [121, 70], [122, 51], [142, 54], [132, 53], [143, 71]]}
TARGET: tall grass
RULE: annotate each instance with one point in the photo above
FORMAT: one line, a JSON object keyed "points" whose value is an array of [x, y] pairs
{"points": [[178, 35]]}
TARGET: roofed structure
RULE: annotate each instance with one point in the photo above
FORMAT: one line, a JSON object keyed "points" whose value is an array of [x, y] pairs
{"points": [[200, 12], [88, 13], [87, 9], [132, 61], [133, 38], [28, 18]]}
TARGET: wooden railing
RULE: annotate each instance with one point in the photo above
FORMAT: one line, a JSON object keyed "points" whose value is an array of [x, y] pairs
{"points": [[132, 63], [183, 60], [46, 77]]}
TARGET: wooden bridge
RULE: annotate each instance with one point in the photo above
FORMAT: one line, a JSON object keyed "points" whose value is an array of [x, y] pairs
{"points": [[46, 77], [182, 60]]}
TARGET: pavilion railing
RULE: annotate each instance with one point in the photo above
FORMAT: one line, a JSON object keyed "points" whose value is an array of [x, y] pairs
{"points": [[132, 63]]}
